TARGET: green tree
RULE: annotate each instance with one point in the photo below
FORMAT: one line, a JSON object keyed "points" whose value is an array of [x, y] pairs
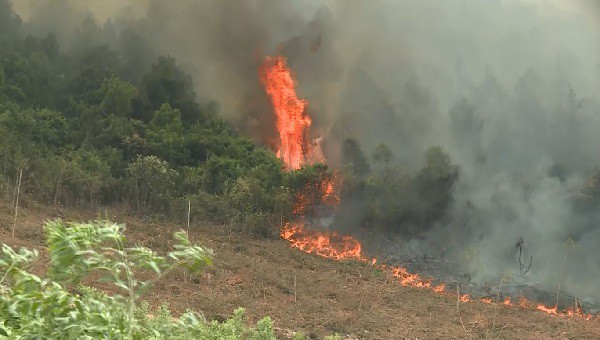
{"points": [[354, 159], [3, 97], [434, 185], [91, 174], [10, 25], [165, 134], [117, 96], [383, 155], [257, 208], [167, 83], [152, 182]]}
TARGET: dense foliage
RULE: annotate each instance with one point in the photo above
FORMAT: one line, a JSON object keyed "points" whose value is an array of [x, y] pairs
{"points": [[85, 131], [57, 306]]}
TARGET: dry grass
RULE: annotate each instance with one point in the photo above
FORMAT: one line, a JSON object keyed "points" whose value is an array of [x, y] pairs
{"points": [[302, 292]]}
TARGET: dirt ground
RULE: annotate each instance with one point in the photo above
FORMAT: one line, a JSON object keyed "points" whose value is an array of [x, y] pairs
{"points": [[303, 292]]}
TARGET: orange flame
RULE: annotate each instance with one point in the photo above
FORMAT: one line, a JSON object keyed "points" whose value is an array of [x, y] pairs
{"points": [[292, 120], [330, 245], [547, 310], [523, 302], [293, 124], [334, 246], [439, 288]]}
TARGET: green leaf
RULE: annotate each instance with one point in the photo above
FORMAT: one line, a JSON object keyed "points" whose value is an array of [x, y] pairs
{"points": [[121, 284]]}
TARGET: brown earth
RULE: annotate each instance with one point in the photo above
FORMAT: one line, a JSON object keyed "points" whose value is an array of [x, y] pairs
{"points": [[303, 292]]}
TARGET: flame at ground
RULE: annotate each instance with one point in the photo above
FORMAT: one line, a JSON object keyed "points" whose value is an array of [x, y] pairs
{"points": [[547, 310], [334, 246], [293, 124], [291, 119], [330, 245]]}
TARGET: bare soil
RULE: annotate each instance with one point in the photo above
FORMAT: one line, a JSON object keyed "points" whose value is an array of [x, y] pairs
{"points": [[303, 292]]}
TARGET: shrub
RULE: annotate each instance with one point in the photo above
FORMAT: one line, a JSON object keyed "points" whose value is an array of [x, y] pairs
{"points": [[33, 307]]}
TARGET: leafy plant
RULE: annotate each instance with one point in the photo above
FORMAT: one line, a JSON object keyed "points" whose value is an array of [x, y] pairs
{"points": [[32, 307]]}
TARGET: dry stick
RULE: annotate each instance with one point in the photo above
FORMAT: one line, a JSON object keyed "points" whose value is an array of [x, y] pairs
{"points": [[562, 267], [17, 203], [6, 176], [188, 216], [326, 322], [188, 232], [7, 188], [15, 191], [457, 298], [495, 307], [295, 285], [458, 311]]}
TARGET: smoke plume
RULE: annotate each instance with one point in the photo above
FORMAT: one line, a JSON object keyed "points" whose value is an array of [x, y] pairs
{"points": [[509, 88]]}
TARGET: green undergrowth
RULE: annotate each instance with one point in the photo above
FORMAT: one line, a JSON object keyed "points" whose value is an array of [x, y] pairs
{"points": [[57, 305]]}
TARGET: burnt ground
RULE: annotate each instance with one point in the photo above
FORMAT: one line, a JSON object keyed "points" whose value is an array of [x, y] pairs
{"points": [[515, 286], [303, 292]]}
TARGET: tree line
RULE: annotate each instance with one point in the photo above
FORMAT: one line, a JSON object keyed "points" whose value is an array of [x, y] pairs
{"points": [[87, 126], [85, 132]]}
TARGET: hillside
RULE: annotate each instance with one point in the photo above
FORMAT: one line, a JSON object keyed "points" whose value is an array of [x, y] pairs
{"points": [[293, 130], [302, 292]]}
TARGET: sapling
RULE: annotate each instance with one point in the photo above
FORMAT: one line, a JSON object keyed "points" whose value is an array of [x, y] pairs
{"points": [[78, 249]]}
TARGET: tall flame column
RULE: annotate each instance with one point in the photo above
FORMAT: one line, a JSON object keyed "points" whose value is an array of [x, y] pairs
{"points": [[292, 121]]}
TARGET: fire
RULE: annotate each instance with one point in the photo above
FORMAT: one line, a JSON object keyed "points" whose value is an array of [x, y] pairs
{"points": [[331, 189], [329, 245], [334, 246], [292, 121], [439, 288], [293, 125], [523, 302], [570, 312], [505, 302], [547, 310]]}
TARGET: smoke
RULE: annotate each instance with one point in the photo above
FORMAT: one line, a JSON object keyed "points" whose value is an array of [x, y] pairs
{"points": [[509, 88]]}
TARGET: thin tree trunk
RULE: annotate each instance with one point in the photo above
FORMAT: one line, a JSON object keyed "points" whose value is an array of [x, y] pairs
{"points": [[188, 216], [17, 203], [7, 188], [59, 183], [137, 196], [562, 267], [5, 174]]}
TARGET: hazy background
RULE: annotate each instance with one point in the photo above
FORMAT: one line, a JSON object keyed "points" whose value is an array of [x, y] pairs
{"points": [[511, 89]]}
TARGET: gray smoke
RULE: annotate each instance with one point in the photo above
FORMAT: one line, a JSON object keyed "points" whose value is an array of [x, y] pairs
{"points": [[510, 88]]}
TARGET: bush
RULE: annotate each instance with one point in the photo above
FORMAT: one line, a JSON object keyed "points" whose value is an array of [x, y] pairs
{"points": [[32, 307], [152, 182]]}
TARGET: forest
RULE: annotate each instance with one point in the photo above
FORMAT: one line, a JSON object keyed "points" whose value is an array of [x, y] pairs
{"points": [[91, 127]]}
